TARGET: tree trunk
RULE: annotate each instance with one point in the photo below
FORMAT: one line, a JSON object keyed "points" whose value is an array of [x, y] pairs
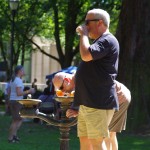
{"points": [[134, 67], [23, 54]]}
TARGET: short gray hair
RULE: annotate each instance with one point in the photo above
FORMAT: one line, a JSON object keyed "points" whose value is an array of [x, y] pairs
{"points": [[101, 14]]}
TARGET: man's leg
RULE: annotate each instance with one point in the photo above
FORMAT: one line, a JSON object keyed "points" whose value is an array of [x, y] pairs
{"points": [[111, 143], [92, 144], [107, 143], [113, 139], [85, 143], [97, 144]]}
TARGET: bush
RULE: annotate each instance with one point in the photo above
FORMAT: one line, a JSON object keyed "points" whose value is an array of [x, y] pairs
{"points": [[1, 96]]}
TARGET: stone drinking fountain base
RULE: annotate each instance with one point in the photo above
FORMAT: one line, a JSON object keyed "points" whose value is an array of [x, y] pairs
{"points": [[30, 110]]}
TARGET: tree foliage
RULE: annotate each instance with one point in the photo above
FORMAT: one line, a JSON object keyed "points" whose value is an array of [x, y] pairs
{"points": [[55, 20]]}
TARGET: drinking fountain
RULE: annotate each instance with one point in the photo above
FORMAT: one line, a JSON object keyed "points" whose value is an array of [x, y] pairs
{"points": [[30, 110]]}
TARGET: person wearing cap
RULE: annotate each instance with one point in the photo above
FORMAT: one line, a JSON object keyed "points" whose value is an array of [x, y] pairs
{"points": [[16, 93]]}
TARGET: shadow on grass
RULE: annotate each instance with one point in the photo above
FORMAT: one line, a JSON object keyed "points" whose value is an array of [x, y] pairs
{"points": [[133, 142]]}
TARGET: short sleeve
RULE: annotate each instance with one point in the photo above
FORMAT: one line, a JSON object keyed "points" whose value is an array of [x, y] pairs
{"points": [[18, 82], [99, 49]]}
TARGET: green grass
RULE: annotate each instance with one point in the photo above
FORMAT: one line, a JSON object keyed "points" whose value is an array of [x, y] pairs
{"points": [[45, 137], [34, 136], [132, 142]]}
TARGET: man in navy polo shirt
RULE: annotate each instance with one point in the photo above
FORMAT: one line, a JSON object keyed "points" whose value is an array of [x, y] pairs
{"points": [[95, 92]]}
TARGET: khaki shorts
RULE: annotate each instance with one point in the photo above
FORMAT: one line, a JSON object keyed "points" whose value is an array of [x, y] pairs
{"points": [[15, 107], [118, 122], [93, 123]]}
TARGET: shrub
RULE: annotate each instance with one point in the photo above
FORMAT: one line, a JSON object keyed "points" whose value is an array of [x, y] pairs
{"points": [[1, 96]]}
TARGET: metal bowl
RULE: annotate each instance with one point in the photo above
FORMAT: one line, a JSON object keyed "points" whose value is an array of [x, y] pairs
{"points": [[29, 102], [64, 99]]}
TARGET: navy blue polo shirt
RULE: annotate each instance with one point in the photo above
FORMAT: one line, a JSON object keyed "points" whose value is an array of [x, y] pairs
{"points": [[95, 86]]}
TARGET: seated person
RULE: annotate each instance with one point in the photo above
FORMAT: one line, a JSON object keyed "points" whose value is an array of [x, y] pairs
{"points": [[26, 88], [48, 102], [50, 87]]}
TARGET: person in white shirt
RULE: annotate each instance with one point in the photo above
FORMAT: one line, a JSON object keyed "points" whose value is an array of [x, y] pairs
{"points": [[16, 93]]}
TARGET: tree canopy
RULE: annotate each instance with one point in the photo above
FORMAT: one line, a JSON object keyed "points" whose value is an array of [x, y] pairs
{"points": [[55, 20]]}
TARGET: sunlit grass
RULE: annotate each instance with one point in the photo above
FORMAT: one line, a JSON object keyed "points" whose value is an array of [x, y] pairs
{"points": [[35, 136]]}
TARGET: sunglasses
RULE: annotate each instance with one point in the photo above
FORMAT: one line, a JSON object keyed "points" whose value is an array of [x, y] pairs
{"points": [[88, 21]]}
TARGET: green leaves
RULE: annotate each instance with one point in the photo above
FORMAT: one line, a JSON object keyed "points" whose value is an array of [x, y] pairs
{"points": [[56, 20]]}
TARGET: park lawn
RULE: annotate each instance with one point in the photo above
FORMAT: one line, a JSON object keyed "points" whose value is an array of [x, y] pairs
{"points": [[36, 136], [133, 142]]}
